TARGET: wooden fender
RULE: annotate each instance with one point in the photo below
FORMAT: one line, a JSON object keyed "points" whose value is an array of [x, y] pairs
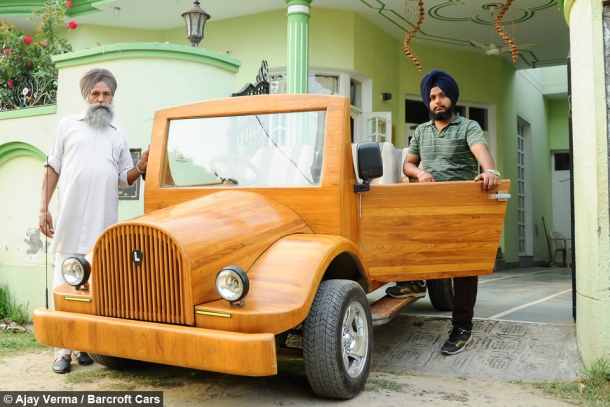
{"points": [[283, 283], [181, 249]]}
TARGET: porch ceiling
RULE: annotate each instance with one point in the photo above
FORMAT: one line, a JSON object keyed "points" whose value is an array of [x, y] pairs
{"points": [[447, 23]]}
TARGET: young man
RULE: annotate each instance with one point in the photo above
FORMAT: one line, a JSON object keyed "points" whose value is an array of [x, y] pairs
{"points": [[92, 156], [449, 147]]}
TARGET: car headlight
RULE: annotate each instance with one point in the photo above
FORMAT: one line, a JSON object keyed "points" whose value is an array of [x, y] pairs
{"points": [[76, 270], [232, 284]]}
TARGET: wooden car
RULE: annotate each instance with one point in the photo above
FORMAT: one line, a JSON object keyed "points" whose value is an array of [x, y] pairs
{"points": [[256, 228]]}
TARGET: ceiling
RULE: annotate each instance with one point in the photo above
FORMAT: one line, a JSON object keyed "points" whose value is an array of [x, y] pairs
{"points": [[447, 23]]}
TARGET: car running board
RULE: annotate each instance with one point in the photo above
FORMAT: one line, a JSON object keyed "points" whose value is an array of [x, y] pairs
{"points": [[386, 308]]}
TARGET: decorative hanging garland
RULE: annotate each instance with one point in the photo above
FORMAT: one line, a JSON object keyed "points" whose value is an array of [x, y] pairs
{"points": [[503, 34], [411, 34]]}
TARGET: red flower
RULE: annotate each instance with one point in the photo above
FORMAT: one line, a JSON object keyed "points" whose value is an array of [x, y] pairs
{"points": [[9, 83], [72, 24], [6, 51], [29, 65], [27, 40], [69, 4], [44, 43]]}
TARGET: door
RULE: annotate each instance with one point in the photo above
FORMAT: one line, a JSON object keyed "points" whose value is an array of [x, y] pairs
{"points": [[377, 126], [430, 230], [562, 213]]}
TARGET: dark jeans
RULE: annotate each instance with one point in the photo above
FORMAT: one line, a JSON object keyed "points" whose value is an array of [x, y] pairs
{"points": [[465, 297]]}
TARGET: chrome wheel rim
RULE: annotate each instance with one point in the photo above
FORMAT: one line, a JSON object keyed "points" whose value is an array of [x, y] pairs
{"points": [[355, 339]]}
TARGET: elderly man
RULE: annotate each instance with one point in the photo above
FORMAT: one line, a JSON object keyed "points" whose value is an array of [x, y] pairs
{"points": [[449, 148], [91, 154]]}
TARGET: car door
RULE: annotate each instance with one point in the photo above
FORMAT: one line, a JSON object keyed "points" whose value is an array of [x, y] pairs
{"points": [[431, 230]]}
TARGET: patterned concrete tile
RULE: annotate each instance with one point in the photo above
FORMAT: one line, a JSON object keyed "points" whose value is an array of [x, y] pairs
{"points": [[499, 349]]}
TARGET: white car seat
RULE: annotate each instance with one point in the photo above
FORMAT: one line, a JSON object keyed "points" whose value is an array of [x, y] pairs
{"points": [[284, 166], [388, 159]]}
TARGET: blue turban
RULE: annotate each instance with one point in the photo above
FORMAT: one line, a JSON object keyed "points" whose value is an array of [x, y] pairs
{"points": [[444, 81]]}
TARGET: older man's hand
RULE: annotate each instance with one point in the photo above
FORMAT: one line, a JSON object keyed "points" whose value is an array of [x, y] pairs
{"points": [[143, 163], [46, 224]]}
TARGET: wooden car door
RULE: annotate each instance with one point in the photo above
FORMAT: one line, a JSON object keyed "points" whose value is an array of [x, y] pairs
{"points": [[431, 230]]}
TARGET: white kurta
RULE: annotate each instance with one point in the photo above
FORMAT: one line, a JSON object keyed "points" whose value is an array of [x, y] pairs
{"points": [[92, 164]]}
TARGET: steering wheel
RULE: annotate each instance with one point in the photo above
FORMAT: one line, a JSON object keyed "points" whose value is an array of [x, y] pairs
{"points": [[230, 166]]}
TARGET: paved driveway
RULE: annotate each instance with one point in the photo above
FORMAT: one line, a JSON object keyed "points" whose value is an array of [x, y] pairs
{"points": [[523, 330]]}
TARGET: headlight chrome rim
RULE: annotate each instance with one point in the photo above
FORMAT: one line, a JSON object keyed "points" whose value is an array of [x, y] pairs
{"points": [[76, 271], [232, 284]]}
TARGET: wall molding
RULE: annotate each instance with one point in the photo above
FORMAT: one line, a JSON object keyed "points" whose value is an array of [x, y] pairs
{"points": [[28, 112], [16, 148], [147, 50]]}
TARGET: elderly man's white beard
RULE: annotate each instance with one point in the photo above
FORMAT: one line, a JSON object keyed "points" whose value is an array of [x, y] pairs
{"points": [[99, 115]]}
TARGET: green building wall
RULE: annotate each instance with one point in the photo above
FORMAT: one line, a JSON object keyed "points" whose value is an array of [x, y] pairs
{"points": [[558, 125]]}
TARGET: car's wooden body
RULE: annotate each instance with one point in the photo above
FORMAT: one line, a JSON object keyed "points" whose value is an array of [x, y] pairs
{"points": [[287, 239]]}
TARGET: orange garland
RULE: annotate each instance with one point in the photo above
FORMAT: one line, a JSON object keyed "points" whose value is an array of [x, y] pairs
{"points": [[411, 34], [505, 37]]}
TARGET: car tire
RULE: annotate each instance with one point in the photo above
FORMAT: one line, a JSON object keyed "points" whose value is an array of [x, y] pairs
{"points": [[111, 362], [441, 294], [338, 322]]}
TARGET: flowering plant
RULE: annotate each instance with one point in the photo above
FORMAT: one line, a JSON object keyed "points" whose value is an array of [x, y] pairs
{"points": [[28, 76]]}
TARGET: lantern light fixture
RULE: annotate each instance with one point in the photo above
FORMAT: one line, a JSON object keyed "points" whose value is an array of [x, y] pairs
{"points": [[195, 19]]}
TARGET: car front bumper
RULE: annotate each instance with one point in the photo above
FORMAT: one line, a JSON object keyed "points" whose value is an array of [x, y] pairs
{"points": [[197, 348]]}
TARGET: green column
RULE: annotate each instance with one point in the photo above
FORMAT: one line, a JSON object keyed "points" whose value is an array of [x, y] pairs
{"points": [[297, 66]]}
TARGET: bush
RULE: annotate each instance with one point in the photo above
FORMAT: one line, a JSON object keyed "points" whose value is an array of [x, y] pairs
{"points": [[28, 76], [9, 308]]}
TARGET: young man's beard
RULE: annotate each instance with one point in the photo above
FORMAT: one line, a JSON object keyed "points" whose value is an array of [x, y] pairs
{"points": [[99, 115], [442, 116]]}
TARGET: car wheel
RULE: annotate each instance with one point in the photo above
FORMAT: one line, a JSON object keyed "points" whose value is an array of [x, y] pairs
{"points": [[441, 293], [338, 340], [111, 362]]}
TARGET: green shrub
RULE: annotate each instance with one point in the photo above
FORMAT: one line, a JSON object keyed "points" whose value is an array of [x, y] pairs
{"points": [[9, 308]]}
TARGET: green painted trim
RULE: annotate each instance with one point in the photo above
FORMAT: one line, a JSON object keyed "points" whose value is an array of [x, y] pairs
{"points": [[566, 7], [399, 21], [17, 148], [25, 7], [527, 14], [28, 111], [101, 2], [147, 50], [298, 2]]}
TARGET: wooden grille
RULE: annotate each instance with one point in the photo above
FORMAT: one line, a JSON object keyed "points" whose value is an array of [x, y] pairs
{"points": [[153, 291]]}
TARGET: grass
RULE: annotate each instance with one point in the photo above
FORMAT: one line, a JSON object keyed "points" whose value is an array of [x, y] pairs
{"points": [[591, 390], [377, 385], [17, 342], [9, 308], [130, 379]]}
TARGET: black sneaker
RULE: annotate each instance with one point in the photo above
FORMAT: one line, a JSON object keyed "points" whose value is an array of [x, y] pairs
{"points": [[405, 289], [458, 339]]}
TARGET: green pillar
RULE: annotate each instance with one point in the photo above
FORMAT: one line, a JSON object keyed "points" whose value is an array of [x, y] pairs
{"points": [[297, 66]]}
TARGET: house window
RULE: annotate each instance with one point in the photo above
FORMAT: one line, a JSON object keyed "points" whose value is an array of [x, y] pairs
{"points": [[317, 84], [416, 112], [562, 161], [355, 93]]}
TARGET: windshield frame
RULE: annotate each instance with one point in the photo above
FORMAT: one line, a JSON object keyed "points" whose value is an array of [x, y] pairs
{"points": [[264, 150]]}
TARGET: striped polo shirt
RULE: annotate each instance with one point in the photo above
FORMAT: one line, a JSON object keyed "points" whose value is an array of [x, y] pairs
{"points": [[446, 154]]}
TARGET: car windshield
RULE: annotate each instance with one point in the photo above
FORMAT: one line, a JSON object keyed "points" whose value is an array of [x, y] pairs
{"points": [[277, 150]]}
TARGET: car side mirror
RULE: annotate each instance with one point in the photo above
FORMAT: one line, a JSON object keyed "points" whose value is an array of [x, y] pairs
{"points": [[369, 164]]}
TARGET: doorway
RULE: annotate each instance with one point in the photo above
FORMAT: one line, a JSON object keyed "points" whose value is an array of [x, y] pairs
{"points": [[562, 213]]}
